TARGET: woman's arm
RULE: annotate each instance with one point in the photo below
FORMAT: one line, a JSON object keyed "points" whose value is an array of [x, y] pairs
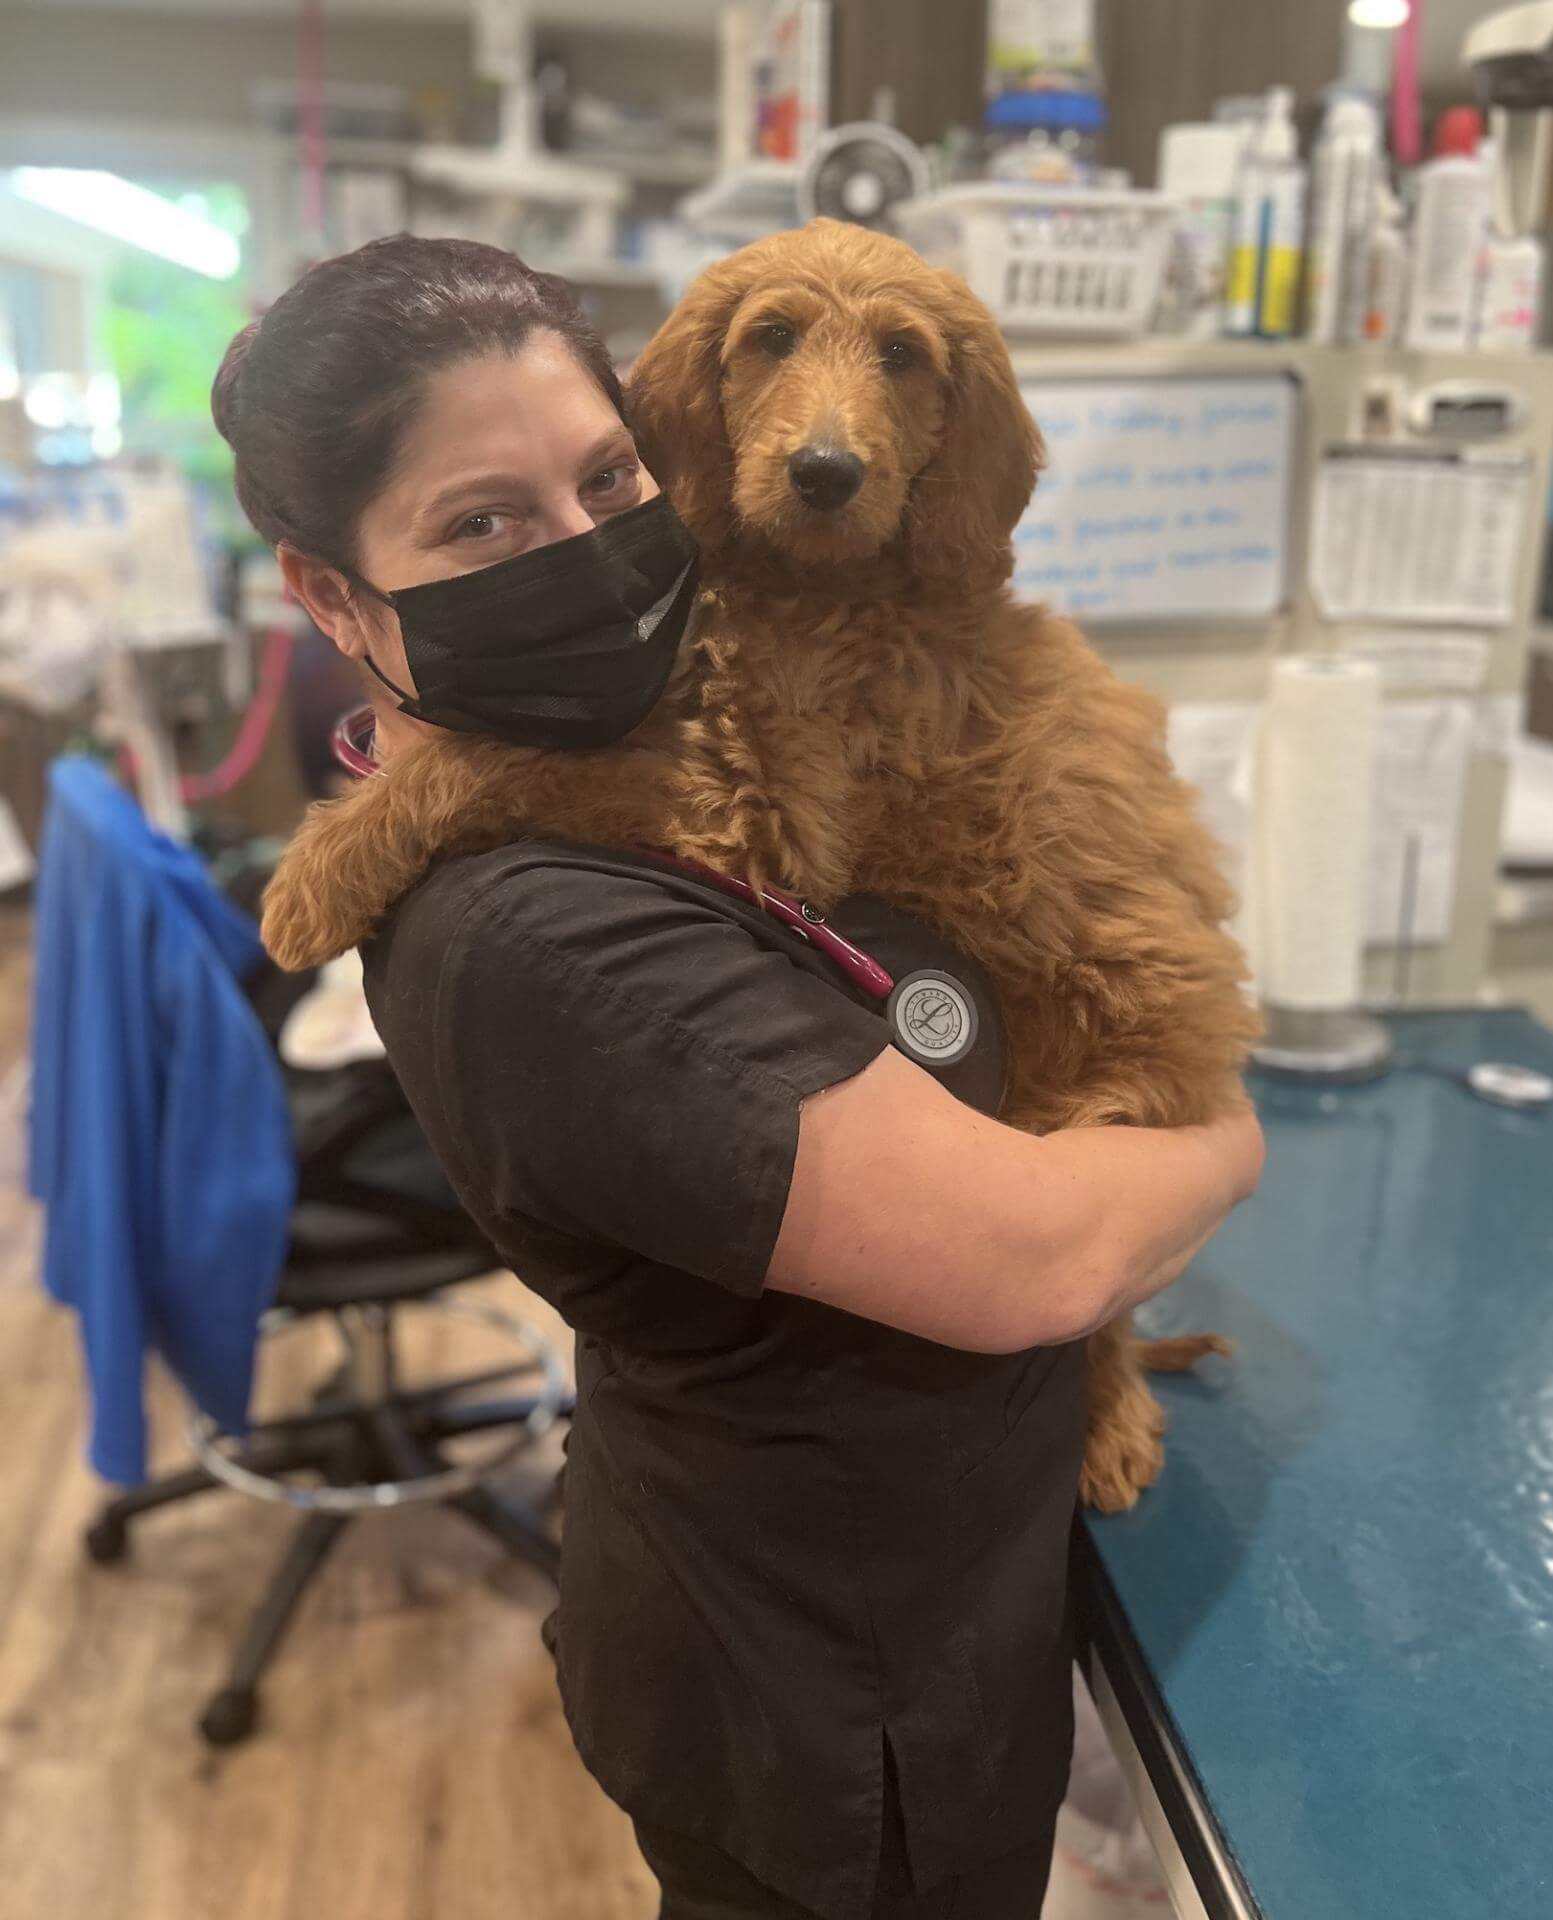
{"points": [[909, 1208]]}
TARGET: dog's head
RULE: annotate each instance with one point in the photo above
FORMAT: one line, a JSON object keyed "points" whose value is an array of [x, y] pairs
{"points": [[827, 395]]}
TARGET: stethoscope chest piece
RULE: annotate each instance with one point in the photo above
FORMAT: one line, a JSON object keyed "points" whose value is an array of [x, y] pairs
{"points": [[932, 1017], [1508, 1085]]}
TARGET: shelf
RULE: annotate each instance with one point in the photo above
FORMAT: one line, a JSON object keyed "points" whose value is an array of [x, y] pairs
{"points": [[666, 169]]}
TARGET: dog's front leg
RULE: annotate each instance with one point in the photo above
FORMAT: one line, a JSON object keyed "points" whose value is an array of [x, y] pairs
{"points": [[352, 858]]}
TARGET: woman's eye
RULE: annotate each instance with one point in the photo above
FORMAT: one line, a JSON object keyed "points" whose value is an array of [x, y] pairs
{"points": [[777, 338], [898, 355], [613, 486], [477, 526]]}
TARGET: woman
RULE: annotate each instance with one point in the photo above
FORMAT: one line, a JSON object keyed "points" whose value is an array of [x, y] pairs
{"points": [[813, 1631]]}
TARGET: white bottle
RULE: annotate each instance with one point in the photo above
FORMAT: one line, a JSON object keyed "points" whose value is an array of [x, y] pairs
{"points": [[1509, 294], [1386, 289], [1264, 266], [1344, 175], [1449, 221], [1198, 165]]}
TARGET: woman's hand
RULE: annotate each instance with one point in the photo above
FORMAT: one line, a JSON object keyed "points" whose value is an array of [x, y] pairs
{"points": [[1234, 1152], [909, 1208], [1235, 1141]]}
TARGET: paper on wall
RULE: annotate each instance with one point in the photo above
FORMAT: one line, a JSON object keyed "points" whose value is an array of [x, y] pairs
{"points": [[1414, 662], [1417, 537], [1498, 723], [1209, 745], [1420, 773]]}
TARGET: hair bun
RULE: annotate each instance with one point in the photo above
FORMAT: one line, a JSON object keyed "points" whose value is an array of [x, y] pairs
{"points": [[226, 387]]}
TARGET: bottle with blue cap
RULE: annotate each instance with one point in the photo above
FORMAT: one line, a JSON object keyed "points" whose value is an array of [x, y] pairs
{"points": [[1045, 112]]}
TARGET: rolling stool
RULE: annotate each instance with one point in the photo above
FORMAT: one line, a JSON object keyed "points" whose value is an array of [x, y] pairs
{"points": [[376, 1233]]}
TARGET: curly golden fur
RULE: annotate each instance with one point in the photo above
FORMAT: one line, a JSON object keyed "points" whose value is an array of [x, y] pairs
{"points": [[862, 706]]}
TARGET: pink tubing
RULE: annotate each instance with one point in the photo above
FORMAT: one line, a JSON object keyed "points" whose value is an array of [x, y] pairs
{"points": [[1407, 140], [254, 728]]}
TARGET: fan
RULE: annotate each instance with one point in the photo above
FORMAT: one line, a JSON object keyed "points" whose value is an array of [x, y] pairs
{"points": [[861, 173]]}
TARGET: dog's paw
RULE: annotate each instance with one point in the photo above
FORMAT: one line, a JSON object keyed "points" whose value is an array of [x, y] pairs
{"points": [[1124, 1453], [331, 885], [299, 932]]}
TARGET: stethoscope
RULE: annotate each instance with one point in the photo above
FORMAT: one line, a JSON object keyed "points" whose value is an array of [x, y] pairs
{"points": [[351, 743], [1501, 1083]]}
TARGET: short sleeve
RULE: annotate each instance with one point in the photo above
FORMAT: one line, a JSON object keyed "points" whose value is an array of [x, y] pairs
{"points": [[626, 1065]]}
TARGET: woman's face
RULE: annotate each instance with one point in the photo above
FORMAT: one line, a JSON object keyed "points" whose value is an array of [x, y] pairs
{"points": [[505, 453]]}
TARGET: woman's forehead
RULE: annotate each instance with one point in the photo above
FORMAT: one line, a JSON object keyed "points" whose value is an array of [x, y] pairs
{"points": [[539, 395]]}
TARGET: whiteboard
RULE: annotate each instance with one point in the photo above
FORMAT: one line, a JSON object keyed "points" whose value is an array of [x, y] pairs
{"points": [[1163, 499]]}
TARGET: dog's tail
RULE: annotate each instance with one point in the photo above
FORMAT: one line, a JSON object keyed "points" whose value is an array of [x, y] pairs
{"points": [[1182, 1353]]}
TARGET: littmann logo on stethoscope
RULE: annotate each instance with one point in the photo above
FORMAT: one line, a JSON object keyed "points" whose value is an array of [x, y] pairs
{"points": [[933, 1017]]}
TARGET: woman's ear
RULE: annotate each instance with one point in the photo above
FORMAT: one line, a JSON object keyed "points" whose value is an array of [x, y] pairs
{"points": [[967, 501], [674, 405], [326, 594]]}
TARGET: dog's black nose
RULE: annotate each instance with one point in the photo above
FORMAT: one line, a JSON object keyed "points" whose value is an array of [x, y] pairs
{"points": [[825, 477]]}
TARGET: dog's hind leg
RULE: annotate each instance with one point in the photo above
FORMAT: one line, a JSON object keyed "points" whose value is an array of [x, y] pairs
{"points": [[1181, 1352], [1125, 1449]]}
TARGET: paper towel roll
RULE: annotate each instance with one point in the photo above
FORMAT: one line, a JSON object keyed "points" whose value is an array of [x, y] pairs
{"points": [[1311, 830]]}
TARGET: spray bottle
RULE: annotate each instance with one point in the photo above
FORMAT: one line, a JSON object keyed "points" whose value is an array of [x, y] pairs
{"points": [[1264, 269], [1345, 172], [1386, 295], [1449, 227], [1508, 305]]}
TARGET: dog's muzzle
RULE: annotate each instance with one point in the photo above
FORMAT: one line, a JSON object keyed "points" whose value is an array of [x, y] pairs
{"points": [[825, 477]]}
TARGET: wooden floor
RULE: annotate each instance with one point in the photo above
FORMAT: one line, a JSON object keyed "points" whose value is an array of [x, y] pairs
{"points": [[413, 1763]]}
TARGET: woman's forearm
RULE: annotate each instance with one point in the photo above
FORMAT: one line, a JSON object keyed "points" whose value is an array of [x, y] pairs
{"points": [[909, 1208], [1132, 1205]]}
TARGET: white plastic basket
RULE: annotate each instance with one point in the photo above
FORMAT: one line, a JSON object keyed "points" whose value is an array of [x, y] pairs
{"points": [[1080, 261]]}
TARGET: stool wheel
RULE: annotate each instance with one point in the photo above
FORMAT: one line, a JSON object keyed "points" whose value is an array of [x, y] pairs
{"points": [[230, 1717], [107, 1540]]}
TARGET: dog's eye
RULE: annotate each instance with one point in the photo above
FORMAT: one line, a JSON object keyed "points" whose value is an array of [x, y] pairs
{"points": [[777, 338], [898, 355]]}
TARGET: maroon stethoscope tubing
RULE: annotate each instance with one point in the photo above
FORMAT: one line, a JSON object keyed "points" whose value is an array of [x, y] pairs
{"points": [[351, 744]]}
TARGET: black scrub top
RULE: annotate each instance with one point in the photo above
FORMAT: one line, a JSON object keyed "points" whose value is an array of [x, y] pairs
{"points": [[791, 1534]]}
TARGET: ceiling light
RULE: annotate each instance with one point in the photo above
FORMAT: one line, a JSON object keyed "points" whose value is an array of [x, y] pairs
{"points": [[1381, 14], [117, 207]]}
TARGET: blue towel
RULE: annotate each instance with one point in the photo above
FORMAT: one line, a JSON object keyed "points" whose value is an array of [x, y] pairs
{"points": [[160, 1139]]}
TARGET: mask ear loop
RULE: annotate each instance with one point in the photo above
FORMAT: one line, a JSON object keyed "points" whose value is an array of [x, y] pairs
{"points": [[406, 700]]}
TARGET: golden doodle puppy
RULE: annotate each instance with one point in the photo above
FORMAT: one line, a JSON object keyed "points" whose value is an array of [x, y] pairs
{"points": [[862, 707]]}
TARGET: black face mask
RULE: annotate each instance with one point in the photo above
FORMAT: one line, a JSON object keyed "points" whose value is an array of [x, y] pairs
{"points": [[567, 646]]}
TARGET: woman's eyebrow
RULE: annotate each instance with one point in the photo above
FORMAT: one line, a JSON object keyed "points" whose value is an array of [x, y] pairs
{"points": [[504, 479], [501, 478], [617, 440]]}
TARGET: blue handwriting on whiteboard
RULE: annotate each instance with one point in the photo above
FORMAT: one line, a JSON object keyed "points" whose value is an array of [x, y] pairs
{"points": [[1200, 476], [1134, 416], [1104, 476], [1125, 526], [1236, 413]]}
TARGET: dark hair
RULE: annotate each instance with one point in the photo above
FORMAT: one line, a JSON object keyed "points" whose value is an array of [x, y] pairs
{"points": [[313, 397]]}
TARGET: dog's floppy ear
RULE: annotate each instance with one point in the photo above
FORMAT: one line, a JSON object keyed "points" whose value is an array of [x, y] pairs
{"points": [[674, 405], [967, 500]]}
